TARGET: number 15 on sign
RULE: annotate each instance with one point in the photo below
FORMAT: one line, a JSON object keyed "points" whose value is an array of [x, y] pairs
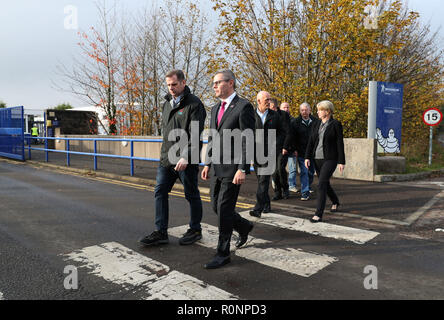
{"points": [[431, 117]]}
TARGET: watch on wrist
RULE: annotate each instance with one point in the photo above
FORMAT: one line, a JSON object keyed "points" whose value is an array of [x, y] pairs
{"points": [[242, 170]]}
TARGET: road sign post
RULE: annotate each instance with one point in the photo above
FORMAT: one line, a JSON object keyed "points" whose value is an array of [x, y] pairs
{"points": [[431, 117]]}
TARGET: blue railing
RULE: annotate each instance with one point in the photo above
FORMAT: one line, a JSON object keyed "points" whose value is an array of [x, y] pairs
{"points": [[95, 154]]}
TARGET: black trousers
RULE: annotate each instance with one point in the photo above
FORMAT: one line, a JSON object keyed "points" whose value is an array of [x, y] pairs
{"points": [[280, 176], [224, 196], [262, 196], [324, 170]]}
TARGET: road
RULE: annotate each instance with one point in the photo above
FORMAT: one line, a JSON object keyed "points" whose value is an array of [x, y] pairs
{"points": [[51, 220]]}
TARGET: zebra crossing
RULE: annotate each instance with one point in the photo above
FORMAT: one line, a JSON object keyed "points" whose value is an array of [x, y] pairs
{"points": [[120, 265]]}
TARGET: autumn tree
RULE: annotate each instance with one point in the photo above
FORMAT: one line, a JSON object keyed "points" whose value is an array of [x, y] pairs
{"points": [[311, 50], [93, 75]]}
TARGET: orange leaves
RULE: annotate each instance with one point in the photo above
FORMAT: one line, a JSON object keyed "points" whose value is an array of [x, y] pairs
{"points": [[321, 49]]}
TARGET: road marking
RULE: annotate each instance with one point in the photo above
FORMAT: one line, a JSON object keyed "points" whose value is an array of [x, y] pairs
{"points": [[131, 270], [151, 189], [1, 296], [291, 260], [415, 216], [359, 236]]}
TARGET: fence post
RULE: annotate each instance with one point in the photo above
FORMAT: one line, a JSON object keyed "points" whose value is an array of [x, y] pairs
{"points": [[46, 148], [29, 148], [95, 157], [132, 160], [68, 155]]}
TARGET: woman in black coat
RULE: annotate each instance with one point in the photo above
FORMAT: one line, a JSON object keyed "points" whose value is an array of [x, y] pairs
{"points": [[326, 147]]}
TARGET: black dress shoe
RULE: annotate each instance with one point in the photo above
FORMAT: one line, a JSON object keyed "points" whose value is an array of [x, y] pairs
{"points": [[286, 196], [243, 237], [255, 213], [267, 210], [217, 262], [276, 197]]}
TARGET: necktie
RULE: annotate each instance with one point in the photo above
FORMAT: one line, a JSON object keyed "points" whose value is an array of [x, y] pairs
{"points": [[221, 112]]}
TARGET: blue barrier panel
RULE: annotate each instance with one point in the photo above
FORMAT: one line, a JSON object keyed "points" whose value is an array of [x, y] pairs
{"points": [[12, 133]]}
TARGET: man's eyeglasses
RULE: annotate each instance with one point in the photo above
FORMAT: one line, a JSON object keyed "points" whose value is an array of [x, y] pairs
{"points": [[216, 83]]}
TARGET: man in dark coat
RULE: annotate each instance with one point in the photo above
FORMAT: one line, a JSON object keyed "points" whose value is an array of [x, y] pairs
{"points": [[268, 121], [183, 118], [280, 176], [296, 143]]}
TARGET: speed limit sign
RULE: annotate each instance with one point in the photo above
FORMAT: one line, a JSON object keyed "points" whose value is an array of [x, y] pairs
{"points": [[432, 117]]}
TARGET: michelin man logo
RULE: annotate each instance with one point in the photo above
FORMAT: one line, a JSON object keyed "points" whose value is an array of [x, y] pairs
{"points": [[390, 144]]}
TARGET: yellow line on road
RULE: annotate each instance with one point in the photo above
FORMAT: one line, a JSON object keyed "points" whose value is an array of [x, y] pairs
{"points": [[149, 188]]}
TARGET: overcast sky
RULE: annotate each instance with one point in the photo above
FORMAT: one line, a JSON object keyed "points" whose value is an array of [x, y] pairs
{"points": [[34, 41]]}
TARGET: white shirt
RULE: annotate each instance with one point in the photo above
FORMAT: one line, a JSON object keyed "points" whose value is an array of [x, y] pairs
{"points": [[229, 99], [263, 116]]}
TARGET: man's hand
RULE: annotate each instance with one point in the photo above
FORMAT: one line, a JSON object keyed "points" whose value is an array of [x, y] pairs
{"points": [[239, 178], [181, 165], [205, 173], [341, 168], [307, 163], [284, 152]]}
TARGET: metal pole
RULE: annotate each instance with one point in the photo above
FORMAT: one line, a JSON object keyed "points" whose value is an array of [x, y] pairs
{"points": [[430, 145], [68, 156], [132, 160], [95, 157]]}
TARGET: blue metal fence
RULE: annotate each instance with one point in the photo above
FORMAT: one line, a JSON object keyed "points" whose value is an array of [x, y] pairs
{"points": [[94, 154], [12, 133]]}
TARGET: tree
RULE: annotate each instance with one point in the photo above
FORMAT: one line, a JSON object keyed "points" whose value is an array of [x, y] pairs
{"points": [[63, 106], [123, 66], [93, 77], [2, 104], [311, 50]]}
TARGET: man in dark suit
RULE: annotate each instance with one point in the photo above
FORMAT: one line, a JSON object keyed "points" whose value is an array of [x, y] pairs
{"points": [[266, 120], [280, 176], [228, 170]]}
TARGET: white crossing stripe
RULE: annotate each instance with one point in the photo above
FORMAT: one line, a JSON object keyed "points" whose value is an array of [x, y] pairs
{"points": [[1, 296], [358, 236], [291, 260], [120, 265]]}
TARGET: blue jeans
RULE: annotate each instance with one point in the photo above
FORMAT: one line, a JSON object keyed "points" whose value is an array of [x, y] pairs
{"points": [[292, 171], [306, 174], [166, 177]]}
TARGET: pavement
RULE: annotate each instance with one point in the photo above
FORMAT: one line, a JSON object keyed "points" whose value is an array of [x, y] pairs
{"points": [[391, 203]]}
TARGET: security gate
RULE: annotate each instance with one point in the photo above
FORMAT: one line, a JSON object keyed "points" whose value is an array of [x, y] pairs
{"points": [[12, 133]]}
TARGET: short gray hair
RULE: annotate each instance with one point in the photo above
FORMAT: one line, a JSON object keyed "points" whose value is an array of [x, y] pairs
{"points": [[228, 75], [326, 105], [305, 104]]}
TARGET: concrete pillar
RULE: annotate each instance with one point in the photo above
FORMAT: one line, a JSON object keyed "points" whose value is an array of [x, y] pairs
{"points": [[372, 105]]}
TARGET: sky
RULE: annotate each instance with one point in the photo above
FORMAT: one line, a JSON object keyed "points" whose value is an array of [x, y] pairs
{"points": [[38, 35]]}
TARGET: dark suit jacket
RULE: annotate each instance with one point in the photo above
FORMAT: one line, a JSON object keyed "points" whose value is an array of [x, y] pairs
{"points": [[298, 136], [238, 115], [285, 119], [272, 122], [333, 142]]}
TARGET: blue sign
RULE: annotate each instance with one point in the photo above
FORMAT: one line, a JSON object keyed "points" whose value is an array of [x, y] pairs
{"points": [[389, 116]]}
